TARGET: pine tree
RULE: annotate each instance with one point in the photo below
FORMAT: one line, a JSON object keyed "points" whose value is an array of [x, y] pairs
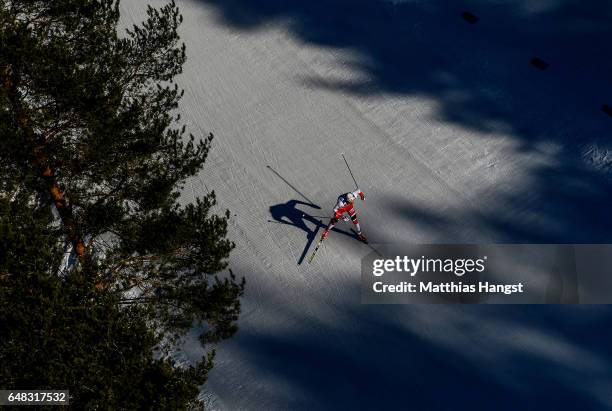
{"points": [[93, 159]]}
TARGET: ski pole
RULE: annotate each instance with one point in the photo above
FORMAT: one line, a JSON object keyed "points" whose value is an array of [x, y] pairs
{"points": [[315, 216], [322, 216], [349, 169]]}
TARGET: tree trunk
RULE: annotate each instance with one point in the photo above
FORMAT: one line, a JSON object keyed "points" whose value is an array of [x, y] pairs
{"points": [[41, 161]]}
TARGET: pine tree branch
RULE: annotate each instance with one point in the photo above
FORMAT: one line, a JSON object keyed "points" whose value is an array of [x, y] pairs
{"points": [[158, 300], [139, 281]]}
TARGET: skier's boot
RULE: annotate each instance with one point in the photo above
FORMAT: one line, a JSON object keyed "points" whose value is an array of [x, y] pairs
{"points": [[362, 238]]}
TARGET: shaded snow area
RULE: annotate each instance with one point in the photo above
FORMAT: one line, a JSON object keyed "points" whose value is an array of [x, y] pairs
{"points": [[454, 137]]}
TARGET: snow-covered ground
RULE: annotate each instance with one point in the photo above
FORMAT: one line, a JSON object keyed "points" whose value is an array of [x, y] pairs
{"points": [[454, 137]]}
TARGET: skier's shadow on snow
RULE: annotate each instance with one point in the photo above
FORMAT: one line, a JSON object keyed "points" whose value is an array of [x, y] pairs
{"points": [[288, 213]]}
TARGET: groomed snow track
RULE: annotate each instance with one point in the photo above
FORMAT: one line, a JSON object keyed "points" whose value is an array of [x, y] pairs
{"points": [[454, 137]]}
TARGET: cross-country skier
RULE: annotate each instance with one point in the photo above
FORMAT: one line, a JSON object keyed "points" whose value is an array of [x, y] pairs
{"points": [[345, 205]]}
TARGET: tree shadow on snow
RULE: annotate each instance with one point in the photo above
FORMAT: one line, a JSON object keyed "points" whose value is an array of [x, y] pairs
{"points": [[433, 357], [480, 77]]}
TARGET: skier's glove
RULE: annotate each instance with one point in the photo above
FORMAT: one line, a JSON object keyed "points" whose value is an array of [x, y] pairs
{"points": [[345, 218], [362, 195]]}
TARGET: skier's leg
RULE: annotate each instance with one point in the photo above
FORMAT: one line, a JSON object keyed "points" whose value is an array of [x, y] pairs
{"points": [[355, 221], [331, 225], [360, 236]]}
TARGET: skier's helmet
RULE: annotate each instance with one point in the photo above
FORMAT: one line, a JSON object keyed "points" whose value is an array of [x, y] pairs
{"points": [[350, 197]]}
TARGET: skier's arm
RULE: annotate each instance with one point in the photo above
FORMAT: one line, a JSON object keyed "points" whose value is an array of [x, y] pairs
{"points": [[339, 205], [359, 193], [337, 213]]}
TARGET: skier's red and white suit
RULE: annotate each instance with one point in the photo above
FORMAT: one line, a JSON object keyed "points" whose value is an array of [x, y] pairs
{"points": [[344, 206]]}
